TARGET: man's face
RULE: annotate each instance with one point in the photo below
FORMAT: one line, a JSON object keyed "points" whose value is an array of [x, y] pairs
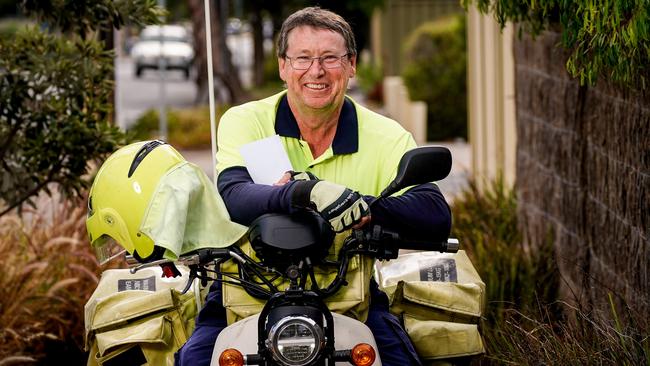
{"points": [[317, 87]]}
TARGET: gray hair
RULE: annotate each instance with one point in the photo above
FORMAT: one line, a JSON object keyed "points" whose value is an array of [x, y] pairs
{"points": [[318, 18]]}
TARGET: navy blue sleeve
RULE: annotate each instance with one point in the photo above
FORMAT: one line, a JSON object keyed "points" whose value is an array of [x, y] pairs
{"points": [[421, 212], [246, 200]]}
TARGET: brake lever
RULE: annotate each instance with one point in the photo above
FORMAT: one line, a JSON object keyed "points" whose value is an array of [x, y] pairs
{"points": [[190, 260], [158, 262], [190, 281]]}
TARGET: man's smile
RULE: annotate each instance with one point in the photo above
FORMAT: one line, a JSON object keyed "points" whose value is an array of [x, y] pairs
{"points": [[316, 86]]}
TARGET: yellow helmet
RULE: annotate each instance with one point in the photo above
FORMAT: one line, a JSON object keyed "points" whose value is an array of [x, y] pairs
{"points": [[120, 195]]}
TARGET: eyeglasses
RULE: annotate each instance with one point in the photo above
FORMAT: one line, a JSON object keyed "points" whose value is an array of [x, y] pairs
{"points": [[304, 62]]}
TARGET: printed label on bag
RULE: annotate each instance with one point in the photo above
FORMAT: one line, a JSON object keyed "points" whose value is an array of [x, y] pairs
{"points": [[439, 270], [143, 284]]}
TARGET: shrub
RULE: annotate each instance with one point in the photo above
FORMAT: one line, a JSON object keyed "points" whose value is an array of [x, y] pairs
{"points": [[49, 272], [370, 75], [524, 323], [272, 83], [485, 222], [9, 27], [187, 128], [436, 74], [54, 95], [271, 74]]}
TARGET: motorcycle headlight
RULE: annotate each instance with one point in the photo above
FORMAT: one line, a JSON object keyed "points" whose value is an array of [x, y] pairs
{"points": [[295, 340]]}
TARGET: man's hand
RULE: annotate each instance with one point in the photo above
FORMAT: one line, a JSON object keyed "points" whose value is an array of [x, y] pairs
{"points": [[339, 205], [291, 175], [286, 177]]}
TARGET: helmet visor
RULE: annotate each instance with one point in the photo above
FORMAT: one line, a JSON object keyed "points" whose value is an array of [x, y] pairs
{"points": [[106, 248]]}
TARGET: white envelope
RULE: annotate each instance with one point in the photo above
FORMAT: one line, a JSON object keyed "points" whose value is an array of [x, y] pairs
{"points": [[266, 160]]}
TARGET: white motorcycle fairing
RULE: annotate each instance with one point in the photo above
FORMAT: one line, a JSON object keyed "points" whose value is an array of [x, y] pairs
{"points": [[242, 336]]}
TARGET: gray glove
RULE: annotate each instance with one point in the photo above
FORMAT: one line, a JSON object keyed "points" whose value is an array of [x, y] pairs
{"points": [[339, 205]]}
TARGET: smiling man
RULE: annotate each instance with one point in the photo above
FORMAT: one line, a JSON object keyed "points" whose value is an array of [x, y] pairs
{"points": [[345, 153]]}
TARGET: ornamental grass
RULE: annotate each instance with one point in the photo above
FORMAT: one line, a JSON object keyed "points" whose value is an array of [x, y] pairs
{"points": [[526, 322], [48, 273]]}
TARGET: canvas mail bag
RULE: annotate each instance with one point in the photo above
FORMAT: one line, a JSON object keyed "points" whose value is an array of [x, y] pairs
{"points": [[139, 319], [440, 297]]}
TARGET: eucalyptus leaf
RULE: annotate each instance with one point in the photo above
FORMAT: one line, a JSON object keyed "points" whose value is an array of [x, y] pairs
{"points": [[606, 39]]}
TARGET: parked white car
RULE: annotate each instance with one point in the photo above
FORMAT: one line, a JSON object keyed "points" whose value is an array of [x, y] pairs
{"points": [[177, 50]]}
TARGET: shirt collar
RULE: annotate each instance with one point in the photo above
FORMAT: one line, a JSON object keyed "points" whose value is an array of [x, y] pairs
{"points": [[346, 140]]}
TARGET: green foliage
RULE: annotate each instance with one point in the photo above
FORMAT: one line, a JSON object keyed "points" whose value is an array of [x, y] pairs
{"points": [[272, 83], [608, 39], [53, 118], [436, 74], [10, 26], [271, 73], [369, 76], [187, 128], [55, 96], [178, 10], [486, 224], [524, 323], [83, 17]]}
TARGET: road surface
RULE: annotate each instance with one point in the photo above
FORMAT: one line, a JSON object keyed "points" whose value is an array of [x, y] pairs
{"points": [[134, 96]]}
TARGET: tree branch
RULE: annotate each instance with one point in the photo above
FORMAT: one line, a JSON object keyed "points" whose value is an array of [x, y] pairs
{"points": [[29, 193], [5, 145]]}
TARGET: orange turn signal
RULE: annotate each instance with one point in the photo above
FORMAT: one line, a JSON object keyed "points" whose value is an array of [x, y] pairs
{"points": [[363, 355], [231, 357]]}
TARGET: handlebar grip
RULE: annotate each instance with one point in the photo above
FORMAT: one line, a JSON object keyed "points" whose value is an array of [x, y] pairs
{"points": [[397, 240], [449, 246], [452, 245]]}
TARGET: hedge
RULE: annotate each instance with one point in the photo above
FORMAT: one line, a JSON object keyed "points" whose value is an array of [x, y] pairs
{"points": [[436, 74]]}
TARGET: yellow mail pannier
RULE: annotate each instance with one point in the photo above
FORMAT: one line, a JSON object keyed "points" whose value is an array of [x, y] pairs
{"points": [[139, 319], [440, 297]]}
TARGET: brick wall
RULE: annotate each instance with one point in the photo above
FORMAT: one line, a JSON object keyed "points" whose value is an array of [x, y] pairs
{"points": [[583, 178]]}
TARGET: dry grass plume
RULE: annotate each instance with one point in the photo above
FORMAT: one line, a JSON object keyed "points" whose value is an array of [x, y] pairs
{"points": [[49, 272]]}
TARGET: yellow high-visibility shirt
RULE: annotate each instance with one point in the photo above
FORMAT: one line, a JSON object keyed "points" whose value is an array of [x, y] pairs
{"points": [[364, 155]]}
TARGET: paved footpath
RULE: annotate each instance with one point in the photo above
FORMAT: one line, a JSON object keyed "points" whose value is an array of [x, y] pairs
{"points": [[450, 186]]}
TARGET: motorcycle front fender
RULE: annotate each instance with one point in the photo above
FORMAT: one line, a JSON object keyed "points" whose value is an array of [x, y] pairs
{"points": [[242, 336]]}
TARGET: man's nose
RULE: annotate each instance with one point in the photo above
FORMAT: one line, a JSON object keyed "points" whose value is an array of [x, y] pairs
{"points": [[316, 67]]}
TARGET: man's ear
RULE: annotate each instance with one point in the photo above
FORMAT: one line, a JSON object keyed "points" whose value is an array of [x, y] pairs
{"points": [[353, 66], [281, 64]]}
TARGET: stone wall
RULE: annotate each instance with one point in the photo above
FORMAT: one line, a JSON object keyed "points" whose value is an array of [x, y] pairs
{"points": [[583, 179]]}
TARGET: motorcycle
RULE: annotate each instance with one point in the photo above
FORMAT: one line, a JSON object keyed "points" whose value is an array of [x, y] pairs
{"points": [[295, 327]]}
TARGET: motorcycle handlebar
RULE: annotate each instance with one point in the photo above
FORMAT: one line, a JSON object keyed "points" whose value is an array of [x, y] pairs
{"points": [[201, 256], [379, 237], [450, 246], [402, 242]]}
